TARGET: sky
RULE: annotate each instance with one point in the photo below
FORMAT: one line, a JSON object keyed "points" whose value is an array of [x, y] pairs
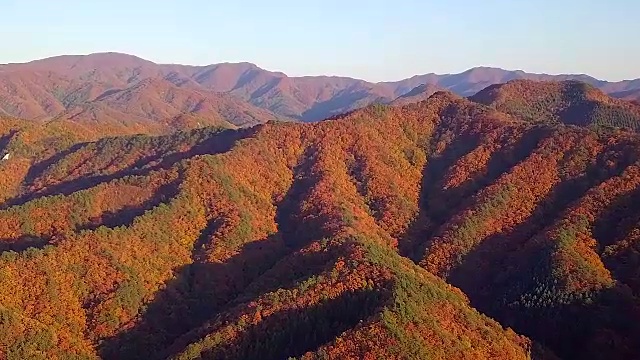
{"points": [[374, 40]]}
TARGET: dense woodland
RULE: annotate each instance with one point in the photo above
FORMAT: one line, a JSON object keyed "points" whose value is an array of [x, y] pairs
{"points": [[444, 229], [568, 102]]}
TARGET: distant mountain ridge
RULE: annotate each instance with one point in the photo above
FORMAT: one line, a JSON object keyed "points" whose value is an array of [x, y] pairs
{"points": [[419, 93], [47, 88], [632, 95]]}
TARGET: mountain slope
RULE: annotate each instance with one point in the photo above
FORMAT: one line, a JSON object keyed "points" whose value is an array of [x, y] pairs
{"points": [[77, 78], [202, 254], [118, 89], [439, 229], [45, 88], [521, 218], [568, 102], [30, 146], [157, 100]]}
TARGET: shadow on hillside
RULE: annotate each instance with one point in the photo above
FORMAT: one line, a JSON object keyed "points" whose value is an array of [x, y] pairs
{"points": [[219, 143], [437, 205], [126, 215], [484, 271], [5, 140], [547, 211], [202, 290], [261, 91], [603, 326], [500, 163], [41, 166], [617, 223], [502, 267], [122, 217], [618, 220], [294, 332], [197, 293], [432, 174], [22, 243], [296, 232]]}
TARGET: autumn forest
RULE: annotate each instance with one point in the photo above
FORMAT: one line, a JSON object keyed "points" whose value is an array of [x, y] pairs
{"points": [[505, 225]]}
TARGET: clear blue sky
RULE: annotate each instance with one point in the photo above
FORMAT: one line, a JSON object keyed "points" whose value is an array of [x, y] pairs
{"points": [[375, 39]]}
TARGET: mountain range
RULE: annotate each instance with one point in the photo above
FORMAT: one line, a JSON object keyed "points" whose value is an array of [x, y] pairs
{"points": [[500, 226], [176, 212], [124, 89]]}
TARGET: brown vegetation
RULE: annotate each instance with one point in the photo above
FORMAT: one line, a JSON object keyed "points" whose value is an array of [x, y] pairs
{"points": [[371, 235]]}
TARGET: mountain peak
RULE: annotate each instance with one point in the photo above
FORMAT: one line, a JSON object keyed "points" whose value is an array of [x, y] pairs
{"points": [[569, 101], [96, 60], [445, 95], [477, 69]]}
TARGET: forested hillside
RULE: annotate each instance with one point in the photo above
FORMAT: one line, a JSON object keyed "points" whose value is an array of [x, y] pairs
{"points": [[442, 229], [568, 102]]}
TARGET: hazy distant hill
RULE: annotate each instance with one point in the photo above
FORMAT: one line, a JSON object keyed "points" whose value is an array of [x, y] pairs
{"points": [[631, 95], [46, 88], [158, 100], [121, 89], [419, 93]]}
